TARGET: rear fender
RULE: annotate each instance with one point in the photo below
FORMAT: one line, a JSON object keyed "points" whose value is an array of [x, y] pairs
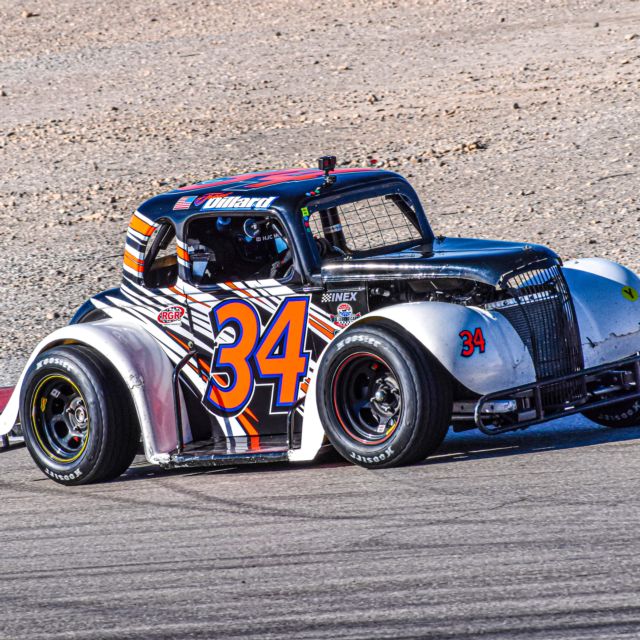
{"points": [[607, 303], [141, 363]]}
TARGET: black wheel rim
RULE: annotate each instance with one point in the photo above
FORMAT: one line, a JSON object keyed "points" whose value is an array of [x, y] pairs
{"points": [[60, 419], [367, 399]]}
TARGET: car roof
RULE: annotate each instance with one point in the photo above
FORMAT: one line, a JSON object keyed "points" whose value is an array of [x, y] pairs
{"points": [[282, 189]]}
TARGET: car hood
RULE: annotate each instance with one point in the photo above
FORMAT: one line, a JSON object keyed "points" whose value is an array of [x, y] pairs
{"points": [[468, 258]]}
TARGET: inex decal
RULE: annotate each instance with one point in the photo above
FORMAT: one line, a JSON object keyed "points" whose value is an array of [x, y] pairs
{"points": [[171, 315]]}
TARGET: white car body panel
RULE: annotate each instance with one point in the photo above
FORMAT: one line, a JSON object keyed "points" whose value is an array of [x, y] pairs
{"points": [[609, 323], [505, 362], [144, 367]]}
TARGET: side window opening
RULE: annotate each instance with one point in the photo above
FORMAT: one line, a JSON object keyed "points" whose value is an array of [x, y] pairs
{"points": [[161, 260], [364, 225], [232, 248]]}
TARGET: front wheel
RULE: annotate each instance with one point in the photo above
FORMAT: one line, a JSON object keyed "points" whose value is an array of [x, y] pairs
{"points": [[621, 414], [77, 417], [382, 399]]}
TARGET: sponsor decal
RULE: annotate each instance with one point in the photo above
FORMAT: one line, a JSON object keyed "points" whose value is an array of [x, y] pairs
{"points": [[381, 457], [305, 218], [171, 315], [630, 294], [339, 296], [60, 476], [345, 315], [202, 199], [238, 202], [472, 340], [183, 203]]}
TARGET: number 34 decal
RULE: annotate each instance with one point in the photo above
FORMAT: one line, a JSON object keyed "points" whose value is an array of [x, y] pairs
{"points": [[472, 340], [277, 354]]}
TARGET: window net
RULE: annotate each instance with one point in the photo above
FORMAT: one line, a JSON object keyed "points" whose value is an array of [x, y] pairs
{"points": [[372, 223]]}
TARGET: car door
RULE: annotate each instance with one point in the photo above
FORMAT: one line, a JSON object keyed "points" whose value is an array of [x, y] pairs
{"points": [[253, 325]]}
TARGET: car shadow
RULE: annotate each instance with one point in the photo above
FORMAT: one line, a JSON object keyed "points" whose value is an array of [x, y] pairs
{"points": [[567, 433]]}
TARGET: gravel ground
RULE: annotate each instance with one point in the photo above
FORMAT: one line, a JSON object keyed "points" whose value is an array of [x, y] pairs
{"points": [[514, 119]]}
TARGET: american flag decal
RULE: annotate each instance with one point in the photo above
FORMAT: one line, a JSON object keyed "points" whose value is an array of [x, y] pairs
{"points": [[183, 203]]}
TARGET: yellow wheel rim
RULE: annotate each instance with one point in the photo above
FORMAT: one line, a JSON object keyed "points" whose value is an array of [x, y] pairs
{"points": [[60, 419]]}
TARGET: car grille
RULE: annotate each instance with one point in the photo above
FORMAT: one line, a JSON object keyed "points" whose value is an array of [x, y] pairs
{"points": [[541, 311]]}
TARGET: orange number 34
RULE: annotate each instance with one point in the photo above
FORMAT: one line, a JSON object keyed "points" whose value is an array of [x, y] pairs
{"points": [[278, 354]]}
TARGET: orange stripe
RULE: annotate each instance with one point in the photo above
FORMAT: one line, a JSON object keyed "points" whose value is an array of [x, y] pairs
{"points": [[140, 226], [253, 415], [247, 426], [198, 372], [133, 263], [133, 258], [233, 286], [321, 322], [321, 329], [183, 254], [180, 342], [188, 297], [204, 365]]}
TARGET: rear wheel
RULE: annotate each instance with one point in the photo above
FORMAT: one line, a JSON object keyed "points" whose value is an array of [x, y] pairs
{"points": [[77, 417], [383, 401], [622, 414]]}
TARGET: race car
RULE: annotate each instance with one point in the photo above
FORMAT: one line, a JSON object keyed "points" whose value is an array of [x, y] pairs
{"points": [[272, 315]]}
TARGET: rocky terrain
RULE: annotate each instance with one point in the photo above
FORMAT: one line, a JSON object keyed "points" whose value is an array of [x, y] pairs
{"points": [[514, 119]]}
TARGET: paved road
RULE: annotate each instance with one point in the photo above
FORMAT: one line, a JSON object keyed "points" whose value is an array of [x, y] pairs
{"points": [[527, 536]]}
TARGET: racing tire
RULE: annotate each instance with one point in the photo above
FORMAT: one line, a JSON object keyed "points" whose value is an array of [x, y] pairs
{"points": [[621, 414], [383, 400], [77, 417]]}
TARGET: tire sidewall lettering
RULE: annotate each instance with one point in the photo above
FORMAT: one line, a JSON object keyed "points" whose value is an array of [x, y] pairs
{"points": [[375, 459]]}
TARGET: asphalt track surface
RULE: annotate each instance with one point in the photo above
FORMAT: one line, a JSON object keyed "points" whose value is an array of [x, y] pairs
{"points": [[532, 535]]}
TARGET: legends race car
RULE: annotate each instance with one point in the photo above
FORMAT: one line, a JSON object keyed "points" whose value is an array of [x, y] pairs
{"points": [[266, 316]]}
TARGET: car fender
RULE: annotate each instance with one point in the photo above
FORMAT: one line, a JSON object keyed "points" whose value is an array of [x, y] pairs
{"points": [[313, 435], [141, 363], [606, 297], [504, 363]]}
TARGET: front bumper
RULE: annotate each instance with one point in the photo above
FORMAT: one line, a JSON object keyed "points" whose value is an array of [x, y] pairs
{"points": [[590, 388]]}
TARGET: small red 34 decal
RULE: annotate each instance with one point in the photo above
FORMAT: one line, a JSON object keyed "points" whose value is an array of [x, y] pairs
{"points": [[472, 341]]}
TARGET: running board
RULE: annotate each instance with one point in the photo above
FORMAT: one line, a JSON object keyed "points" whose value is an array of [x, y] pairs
{"points": [[203, 459], [11, 442]]}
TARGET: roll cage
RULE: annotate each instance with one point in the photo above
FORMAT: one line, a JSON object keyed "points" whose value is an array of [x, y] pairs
{"points": [[293, 217]]}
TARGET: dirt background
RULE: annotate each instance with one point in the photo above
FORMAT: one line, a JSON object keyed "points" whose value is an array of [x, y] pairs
{"points": [[514, 119]]}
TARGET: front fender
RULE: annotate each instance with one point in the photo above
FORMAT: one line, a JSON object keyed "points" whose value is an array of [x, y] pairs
{"points": [[504, 363], [607, 303], [141, 363]]}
